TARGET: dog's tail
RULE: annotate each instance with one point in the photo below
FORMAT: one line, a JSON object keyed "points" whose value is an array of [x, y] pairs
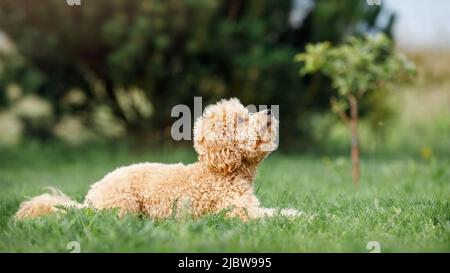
{"points": [[44, 204]]}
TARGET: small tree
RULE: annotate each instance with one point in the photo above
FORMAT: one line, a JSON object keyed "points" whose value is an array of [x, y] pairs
{"points": [[356, 68]]}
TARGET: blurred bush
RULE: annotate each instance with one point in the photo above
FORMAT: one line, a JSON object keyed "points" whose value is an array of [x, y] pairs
{"points": [[12, 129], [139, 58]]}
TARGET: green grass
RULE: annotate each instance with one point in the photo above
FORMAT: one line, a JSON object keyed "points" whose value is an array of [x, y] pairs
{"points": [[403, 203]]}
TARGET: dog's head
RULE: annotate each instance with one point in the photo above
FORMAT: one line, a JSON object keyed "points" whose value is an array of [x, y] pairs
{"points": [[228, 135]]}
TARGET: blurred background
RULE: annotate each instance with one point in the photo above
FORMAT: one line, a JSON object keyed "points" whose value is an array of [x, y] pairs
{"points": [[109, 71]]}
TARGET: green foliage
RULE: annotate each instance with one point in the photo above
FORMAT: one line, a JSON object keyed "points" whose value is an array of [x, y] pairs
{"points": [[174, 50], [357, 67]]}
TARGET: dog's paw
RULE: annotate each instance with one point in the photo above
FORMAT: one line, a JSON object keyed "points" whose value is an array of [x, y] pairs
{"points": [[290, 213]]}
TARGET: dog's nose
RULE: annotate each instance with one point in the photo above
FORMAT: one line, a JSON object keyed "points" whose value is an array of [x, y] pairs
{"points": [[269, 112]]}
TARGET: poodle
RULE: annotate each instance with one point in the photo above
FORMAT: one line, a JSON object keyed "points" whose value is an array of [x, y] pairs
{"points": [[230, 142]]}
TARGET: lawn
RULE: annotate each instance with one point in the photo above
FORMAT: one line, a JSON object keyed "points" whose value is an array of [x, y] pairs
{"points": [[402, 203]]}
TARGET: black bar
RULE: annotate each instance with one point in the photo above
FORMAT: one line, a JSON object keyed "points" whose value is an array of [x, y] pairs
{"points": [[224, 262]]}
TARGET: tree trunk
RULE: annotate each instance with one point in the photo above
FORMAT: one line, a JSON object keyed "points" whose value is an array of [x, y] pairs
{"points": [[355, 138]]}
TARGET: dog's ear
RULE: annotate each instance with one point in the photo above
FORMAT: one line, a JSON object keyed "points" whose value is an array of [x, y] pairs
{"points": [[214, 151], [221, 158]]}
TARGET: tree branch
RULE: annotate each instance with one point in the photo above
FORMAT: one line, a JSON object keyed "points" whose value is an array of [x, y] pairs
{"points": [[342, 115]]}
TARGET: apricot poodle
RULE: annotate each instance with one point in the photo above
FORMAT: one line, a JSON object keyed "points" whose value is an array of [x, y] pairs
{"points": [[230, 142]]}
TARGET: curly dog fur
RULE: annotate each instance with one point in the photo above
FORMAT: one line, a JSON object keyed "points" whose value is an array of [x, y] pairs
{"points": [[230, 142]]}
